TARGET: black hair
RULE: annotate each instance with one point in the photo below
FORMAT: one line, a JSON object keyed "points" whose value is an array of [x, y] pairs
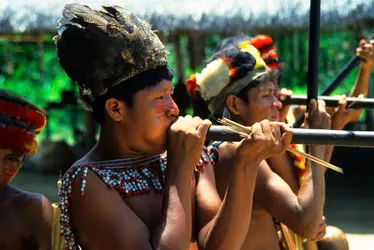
{"points": [[126, 90], [9, 96], [231, 42]]}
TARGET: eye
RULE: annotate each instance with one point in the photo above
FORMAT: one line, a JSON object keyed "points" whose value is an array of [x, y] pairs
{"points": [[160, 97], [14, 159]]}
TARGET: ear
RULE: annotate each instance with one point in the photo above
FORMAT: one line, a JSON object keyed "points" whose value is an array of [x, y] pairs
{"points": [[234, 104], [115, 109]]}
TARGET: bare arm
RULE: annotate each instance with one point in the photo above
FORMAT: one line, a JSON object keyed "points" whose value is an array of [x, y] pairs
{"points": [[102, 220], [176, 233], [282, 166], [41, 216], [365, 51], [341, 116], [301, 212], [215, 218], [235, 212]]}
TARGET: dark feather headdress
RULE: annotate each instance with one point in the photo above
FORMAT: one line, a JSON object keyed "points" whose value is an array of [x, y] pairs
{"points": [[100, 49]]}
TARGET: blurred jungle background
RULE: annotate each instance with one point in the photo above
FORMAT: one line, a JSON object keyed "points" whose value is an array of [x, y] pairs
{"points": [[191, 30]]}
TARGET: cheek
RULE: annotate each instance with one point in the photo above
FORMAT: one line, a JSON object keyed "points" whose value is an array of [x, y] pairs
{"points": [[159, 114], [8, 173], [266, 106]]}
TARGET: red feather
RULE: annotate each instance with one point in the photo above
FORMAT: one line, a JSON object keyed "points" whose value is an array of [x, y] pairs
{"points": [[34, 118], [18, 140]]}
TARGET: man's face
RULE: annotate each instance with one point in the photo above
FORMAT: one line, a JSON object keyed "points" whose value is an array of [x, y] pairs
{"points": [[10, 163], [150, 117], [263, 104]]}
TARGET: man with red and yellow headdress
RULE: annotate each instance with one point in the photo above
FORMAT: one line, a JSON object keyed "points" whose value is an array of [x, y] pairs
{"points": [[25, 217]]}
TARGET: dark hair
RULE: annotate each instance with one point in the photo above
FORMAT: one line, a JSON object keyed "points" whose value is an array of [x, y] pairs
{"points": [[9, 96], [231, 42], [126, 90], [243, 62]]}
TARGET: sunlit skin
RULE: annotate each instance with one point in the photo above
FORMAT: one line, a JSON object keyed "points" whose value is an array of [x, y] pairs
{"points": [[139, 129], [154, 110], [263, 104], [190, 203], [10, 163]]}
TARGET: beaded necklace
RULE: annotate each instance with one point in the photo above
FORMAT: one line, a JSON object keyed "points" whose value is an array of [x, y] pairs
{"points": [[129, 176]]}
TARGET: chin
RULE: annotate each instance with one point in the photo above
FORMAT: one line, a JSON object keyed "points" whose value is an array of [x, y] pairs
{"points": [[274, 119]]}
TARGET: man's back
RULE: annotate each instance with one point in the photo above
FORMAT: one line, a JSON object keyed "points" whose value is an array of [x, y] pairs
{"points": [[22, 225]]}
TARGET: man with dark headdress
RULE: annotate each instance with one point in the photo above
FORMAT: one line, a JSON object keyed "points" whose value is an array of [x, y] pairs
{"points": [[25, 218], [148, 183], [243, 89]]}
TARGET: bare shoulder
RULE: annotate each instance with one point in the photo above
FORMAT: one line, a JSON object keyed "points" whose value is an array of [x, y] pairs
{"points": [[107, 211], [223, 166], [35, 211], [28, 201]]}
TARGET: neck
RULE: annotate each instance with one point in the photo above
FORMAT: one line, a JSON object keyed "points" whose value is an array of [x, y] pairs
{"points": [[112, 146], [3, 187], [241, 121]]}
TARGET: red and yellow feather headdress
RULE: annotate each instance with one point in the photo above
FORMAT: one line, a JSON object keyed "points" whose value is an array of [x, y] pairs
{"points": [[219, 78], [265, 45], [20, 123]]}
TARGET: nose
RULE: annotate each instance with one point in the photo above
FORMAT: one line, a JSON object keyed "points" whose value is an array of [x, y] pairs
{"points": [[276, 103], [172, 109]]}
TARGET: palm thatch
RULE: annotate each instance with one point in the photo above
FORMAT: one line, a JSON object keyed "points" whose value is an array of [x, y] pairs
{"points": [[228, 16]]}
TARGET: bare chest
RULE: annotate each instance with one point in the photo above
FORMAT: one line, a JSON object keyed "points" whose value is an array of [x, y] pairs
{"points": [[13, 231], [148, 207], [262, 234]]}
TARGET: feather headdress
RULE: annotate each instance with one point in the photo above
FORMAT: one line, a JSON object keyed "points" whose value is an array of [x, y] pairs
{"points": [[230, 71], [100, 49], [20, 122]]}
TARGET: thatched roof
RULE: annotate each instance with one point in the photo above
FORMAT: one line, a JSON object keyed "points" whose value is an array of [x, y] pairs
{"points": [[17, 16]]}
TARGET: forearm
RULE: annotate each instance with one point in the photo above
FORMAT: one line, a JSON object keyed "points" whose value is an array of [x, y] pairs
{"points": [[235, 211], [311, 196], [176, 232], [362, 80], [361, 87], [328, 153]]}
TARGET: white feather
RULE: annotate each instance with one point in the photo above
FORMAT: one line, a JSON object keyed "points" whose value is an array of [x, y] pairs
{"points": [[212, 79]]}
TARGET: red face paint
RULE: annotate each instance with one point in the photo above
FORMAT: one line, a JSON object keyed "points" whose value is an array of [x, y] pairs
{"points": [[163, 111], [8, 174], [10, 163]]}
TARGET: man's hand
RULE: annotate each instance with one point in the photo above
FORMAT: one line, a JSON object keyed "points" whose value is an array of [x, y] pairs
{"points": [[283, 94], [266, 140], [317, 117], [342, 114], [321, 230], [186, 139], [366, 52]]}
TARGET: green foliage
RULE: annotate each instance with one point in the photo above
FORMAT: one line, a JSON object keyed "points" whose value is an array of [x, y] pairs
{"points": [[32, 71]]}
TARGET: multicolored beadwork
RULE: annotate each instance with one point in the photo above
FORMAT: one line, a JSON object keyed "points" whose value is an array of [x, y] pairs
{"points": [[128, 176]]}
